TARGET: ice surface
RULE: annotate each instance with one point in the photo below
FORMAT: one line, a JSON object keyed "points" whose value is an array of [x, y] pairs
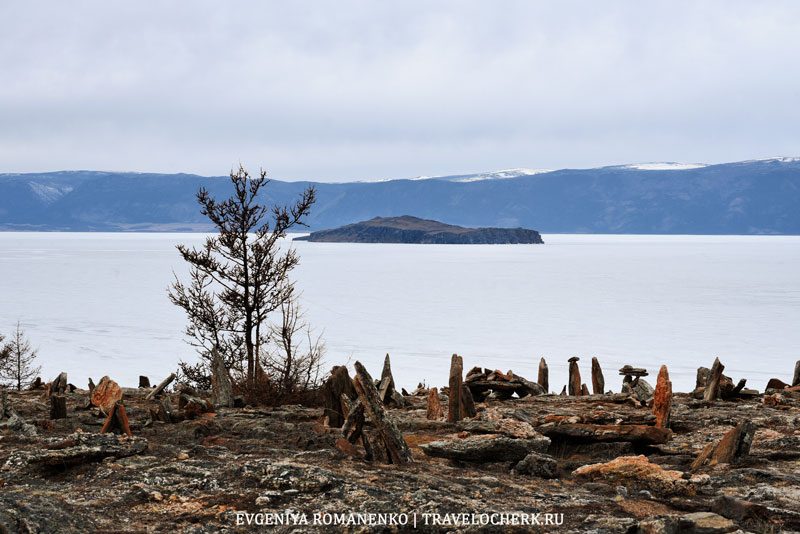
{"points": [[96, 304]]}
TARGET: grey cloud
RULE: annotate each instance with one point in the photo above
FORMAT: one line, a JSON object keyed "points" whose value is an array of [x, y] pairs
{"points": [[359, 90]]}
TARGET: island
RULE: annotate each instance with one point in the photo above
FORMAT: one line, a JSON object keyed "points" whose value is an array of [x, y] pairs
{"points": [[408, 229]]}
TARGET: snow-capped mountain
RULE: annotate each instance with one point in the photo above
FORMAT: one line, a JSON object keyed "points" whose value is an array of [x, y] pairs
{"points": [[748, 197]]}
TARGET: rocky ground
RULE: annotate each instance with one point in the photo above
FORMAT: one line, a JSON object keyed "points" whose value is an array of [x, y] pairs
{"points": [[599, 460]]}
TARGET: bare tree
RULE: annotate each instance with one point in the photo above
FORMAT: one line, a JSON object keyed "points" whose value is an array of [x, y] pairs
{"points": [[240, 275], [296, 353], [16, 361]]}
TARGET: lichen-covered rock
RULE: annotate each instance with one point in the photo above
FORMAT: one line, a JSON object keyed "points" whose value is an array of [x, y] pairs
{"points": [[590, 432], [538, 465], [79, 448], [290, 476], [25, 511], [488, 448], [106, 393], [695, 523], [635, 472]]}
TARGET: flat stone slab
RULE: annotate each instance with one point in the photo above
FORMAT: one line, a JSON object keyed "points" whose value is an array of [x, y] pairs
{"points": [[490, 448], [589, 432]]}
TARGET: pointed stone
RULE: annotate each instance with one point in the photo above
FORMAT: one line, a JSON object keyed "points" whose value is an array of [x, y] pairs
{"points": [[564, 391], [455, 410], [712, 388], [585, 390], [574, 377], [387, 373], [467, 402], [117, 420], [796, 378], [598, 382], [392, 438], [353, 426], [544, 376], [59, 385], [434, 405], [338, 384], [662, 399], [733, 446], [220, 381]]}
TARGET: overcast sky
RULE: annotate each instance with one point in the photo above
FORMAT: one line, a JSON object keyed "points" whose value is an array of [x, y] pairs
{"points": [[345, 90]]}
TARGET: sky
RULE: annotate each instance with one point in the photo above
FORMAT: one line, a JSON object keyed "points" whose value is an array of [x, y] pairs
{"points": [[359, 90]]}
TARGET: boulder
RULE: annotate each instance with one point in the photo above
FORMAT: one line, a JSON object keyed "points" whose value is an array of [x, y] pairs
{"points": [[775, 383], [538, 465], [642, 390], [106, 393], [635, 472]]}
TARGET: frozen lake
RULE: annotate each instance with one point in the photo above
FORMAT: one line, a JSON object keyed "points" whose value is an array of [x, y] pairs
{"points": [[96, 304]]}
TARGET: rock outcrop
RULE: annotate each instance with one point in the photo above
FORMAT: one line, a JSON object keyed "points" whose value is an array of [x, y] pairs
{"points": [[407, 229]]}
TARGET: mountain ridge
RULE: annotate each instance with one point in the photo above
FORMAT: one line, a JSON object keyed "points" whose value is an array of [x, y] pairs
{"points": [[749, 197]]}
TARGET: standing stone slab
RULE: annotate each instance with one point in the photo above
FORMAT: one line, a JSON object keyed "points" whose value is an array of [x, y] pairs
{"points": [[221, 382], [733, 446], [59, 385], [544, 376], [392, 438], [712, 388], [159, 388], [117, 420], [574, 377], [338, 384], [387, 381], [796, 378], [467, 402], [662, 399], [144, 382], [598, 382], [434, 405], [455, 411], [58, 407]]}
